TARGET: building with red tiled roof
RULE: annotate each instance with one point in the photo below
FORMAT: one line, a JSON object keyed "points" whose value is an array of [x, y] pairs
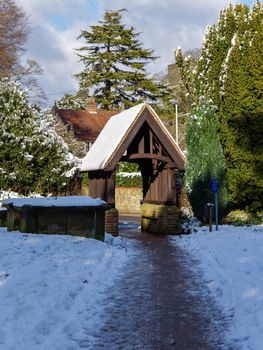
{"points": [[80, 128]]}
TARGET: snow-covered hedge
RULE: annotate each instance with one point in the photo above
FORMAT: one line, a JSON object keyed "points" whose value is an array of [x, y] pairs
{"points": [[128, 175]]}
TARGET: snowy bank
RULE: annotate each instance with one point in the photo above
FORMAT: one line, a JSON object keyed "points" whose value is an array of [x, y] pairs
{"points": [[52, 288], [232, 263]]}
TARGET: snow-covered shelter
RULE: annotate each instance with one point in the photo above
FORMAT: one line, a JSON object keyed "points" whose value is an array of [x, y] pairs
{"points": [[138, 135]]}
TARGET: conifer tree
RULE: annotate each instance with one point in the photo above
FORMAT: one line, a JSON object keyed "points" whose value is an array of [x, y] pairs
{"points": [[69, 101], [241, 113], [205, 159], [230, 73], [186, 89], [115, 64], [33, 158]]}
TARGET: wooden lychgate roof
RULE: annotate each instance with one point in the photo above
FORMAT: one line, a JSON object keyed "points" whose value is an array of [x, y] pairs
{"points": [[118, 134]]}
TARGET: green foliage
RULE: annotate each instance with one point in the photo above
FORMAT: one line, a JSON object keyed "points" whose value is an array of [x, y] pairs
{"points": [[115, 62], [186, 91], [241, 113], [204, 159], [85, 179], [128, 181], [77, 101], [242, 217], [128, 167], [229, 72], [32, 156], [128, 175]]}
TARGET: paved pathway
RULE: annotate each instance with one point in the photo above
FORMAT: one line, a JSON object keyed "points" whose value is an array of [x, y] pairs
{"points": [[160, 304]]}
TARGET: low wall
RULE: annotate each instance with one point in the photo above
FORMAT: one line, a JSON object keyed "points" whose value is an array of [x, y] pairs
{"points": [[127, 199], [160, 219]]}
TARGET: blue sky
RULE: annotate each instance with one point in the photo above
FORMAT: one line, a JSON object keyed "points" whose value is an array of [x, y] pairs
{"points": [[164, 25]]}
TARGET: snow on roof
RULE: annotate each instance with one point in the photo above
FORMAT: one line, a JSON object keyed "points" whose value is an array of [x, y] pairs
{"points": [[108, 140], [70, 201], [112, 135]]}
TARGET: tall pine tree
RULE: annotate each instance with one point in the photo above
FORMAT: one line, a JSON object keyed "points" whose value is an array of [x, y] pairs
{"points": [[115, 64]]}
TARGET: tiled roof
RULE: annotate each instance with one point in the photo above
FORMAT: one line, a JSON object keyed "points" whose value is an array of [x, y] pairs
{"points": [[87, 126]]}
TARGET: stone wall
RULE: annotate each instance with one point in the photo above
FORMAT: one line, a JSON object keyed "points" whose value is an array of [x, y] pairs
{"points": [[127, 199], [160, 219]]}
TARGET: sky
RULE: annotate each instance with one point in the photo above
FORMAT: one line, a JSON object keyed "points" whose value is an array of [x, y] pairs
{"points": [[164, 25]]}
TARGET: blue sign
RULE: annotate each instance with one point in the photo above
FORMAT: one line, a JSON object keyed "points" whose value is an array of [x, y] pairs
{"points": [[214, 185]]}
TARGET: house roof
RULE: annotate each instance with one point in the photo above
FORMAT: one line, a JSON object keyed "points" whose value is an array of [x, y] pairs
{"points": [[86, 125], [119, 131]]}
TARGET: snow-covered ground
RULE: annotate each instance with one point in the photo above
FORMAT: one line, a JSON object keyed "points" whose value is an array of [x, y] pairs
{"points": [[52, 288], [232, 263]]}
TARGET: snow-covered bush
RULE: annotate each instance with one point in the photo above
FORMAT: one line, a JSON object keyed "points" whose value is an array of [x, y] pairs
{"points": [[68, 101], [190, 223], [10, 194], [128, 175], [33, 158]]}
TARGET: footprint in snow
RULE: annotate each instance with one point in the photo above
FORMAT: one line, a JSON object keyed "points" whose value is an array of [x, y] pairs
{"points": [[3, 277]]}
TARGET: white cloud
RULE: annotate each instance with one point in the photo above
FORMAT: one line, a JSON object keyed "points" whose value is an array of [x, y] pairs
{"points": [[165, 24]]}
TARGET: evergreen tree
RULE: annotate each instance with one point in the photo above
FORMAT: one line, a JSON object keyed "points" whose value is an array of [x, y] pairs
{"points": [[205, 80], [242, 113], [115, 64], [229, 72], [68, 101], [205, 159], [185, 91], [32, 156]]}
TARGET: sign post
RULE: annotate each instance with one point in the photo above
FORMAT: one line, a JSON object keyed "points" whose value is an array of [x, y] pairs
{"points": [[214, 186]]}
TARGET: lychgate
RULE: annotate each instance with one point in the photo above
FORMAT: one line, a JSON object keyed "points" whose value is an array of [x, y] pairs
{"points": [[138, 135]]}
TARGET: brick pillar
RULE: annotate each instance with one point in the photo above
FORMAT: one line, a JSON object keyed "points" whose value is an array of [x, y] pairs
{"points": [[111, 221]]}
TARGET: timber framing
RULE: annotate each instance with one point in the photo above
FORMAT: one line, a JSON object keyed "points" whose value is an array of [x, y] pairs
{"points": [[143, 139], [147, 120]]}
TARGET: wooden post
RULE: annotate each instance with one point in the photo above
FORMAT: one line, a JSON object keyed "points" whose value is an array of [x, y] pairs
{"points": [[210, 215]]}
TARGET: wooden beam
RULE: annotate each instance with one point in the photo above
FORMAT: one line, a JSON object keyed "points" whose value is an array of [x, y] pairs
{"points": [[149, 156], [164, 140], [141, 146], [167, 145], [172, 165], [151, 140]]}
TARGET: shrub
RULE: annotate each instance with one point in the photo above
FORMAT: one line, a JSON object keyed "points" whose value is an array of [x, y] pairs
{"points": [[242, 217], [33, 158], [205, 159]]}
